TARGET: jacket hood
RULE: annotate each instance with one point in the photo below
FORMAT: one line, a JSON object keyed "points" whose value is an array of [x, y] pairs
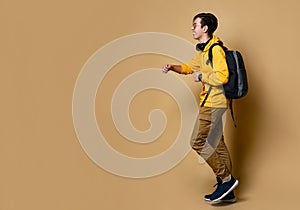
{"points": [[206, 46]]}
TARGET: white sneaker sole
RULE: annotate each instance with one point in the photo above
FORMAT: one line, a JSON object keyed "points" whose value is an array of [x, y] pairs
{"points": [[207, 199], [219, 200]]}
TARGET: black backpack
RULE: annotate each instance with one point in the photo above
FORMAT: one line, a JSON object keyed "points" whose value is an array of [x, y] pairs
{"points": [[237, 85]]}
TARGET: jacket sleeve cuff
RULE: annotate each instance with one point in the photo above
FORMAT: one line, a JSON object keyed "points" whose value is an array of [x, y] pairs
{"points": [[185, 69]]}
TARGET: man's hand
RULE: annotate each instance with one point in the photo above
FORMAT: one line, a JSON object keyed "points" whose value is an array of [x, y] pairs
{"points": [[166, 68]]}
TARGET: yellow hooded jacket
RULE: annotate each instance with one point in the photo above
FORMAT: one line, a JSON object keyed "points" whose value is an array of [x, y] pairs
{"points": [[215, 77]]}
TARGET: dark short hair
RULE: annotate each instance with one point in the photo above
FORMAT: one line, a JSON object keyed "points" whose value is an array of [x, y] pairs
{"points": [[209, 20]]}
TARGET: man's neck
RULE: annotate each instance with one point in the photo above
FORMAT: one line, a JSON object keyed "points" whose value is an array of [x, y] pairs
{"points": [[204, 39]]}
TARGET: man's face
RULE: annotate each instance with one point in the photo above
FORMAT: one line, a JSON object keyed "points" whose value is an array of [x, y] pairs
{"points": [[197, 29]]}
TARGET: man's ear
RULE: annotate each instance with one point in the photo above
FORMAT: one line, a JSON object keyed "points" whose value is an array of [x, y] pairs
{"points": [[205, 28]]}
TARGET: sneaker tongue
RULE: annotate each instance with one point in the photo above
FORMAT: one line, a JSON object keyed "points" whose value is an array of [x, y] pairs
{"points": [[219, 180]]}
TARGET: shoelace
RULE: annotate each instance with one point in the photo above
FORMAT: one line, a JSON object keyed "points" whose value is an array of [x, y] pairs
{"points": [[218, 184]]}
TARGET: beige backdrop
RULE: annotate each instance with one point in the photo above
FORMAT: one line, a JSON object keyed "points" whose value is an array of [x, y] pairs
{"points": [[44, 45]]}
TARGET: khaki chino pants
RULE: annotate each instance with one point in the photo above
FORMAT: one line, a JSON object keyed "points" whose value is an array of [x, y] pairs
{"points": [[208, 140]]}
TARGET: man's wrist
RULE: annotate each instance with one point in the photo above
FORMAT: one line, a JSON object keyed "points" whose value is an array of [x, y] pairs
{"points": [[200, 77]]}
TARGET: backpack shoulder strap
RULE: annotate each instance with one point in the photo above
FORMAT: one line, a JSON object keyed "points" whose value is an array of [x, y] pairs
{"points": [[210, 51], [210, 60], [206, 96]]}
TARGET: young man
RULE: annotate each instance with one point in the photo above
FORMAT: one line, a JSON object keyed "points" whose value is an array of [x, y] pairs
{"points": [[209, 143]]}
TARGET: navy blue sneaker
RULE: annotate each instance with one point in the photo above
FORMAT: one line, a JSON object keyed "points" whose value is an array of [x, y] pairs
{"points": [[219, 182], [229, 198], [223, 190]]}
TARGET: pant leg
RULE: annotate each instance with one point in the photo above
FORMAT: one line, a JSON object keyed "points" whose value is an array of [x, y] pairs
{"points": [[224, 154], [220, 161], [209, 142]]}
